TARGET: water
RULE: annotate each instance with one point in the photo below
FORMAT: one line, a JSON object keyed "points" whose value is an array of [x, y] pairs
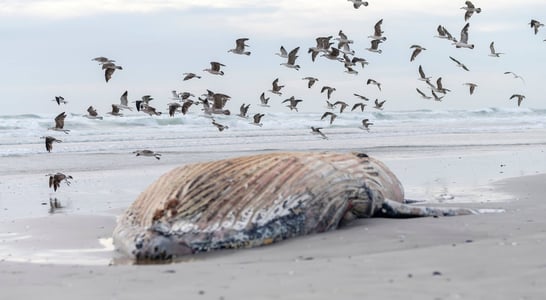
{"points": [[20, 134]]}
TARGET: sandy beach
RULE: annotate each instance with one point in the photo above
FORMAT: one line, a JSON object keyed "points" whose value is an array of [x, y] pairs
{"points": [[66, 253]]}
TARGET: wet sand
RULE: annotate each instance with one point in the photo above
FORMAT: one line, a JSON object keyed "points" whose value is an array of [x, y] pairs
{"points": [[66, 253]]}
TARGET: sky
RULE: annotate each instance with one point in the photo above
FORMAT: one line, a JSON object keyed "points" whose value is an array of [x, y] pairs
{"points": [[48, 46]]}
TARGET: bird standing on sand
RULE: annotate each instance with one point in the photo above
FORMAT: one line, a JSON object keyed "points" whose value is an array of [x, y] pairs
{"points": [[146, 152], [56, 179], [240, 47], [215, 68], [49, 140], [519, 97]]}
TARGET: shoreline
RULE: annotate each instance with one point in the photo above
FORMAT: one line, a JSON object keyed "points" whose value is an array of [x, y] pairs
{"points": [[467, 257]]}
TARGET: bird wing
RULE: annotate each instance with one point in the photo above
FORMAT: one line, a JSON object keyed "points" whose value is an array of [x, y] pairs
{"points": [[377, 28], [464, 33], [59, 120], [292, 56]]}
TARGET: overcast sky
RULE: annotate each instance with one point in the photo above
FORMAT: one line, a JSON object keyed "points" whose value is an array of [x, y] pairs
{"points": [[47, 47]]}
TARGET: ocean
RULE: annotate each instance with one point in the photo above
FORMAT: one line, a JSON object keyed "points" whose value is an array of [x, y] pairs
{"points": [[193, 132]]}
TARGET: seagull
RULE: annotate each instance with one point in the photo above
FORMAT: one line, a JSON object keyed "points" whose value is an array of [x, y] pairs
{"points": [[333, 54], [283, 53], [49, 140], [350, 70], [366, 124], [342, 104], [378, 104], [257, 118], [519, 97], [535, 25], [422, 75], [470, 9], [115, 111], [311, 81], [150, 110], [358, 3], [124, 101], [463, 43], [438, 88], [188, 76], [219, 126], [472, 86], [515, 75], [361, 61], [264, 100], [416, 51], [493, 52], [293, 103], [215, 68], [374, 46], [109, 69], [56, 179], [343, 40], [423, 94], [59, 123], [103, 60], [173, 107], [92, 113], [357, 105], [436, 98], [323, 44], [186, 105], [59, 100], [459, 64], [329, 91], [240, 47], [243, 110], [371, 81], [378, 33], [362, 97], [330, 105], [444, 34], [276, 89], [147, 152], [316, 130], [292, 59]]}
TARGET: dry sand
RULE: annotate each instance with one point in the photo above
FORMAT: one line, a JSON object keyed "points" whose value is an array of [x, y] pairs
{"points": [[492, 256]]}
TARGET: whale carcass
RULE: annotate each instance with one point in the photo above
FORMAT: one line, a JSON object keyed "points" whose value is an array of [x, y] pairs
{"points": [[257, 200]]}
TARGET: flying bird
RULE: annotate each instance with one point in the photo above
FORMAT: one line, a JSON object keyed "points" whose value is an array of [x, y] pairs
{"points": [[416, 50], [472, 86], [358, 3], [366, 124], [59, 123], [374, 82], [329, 90], [49, 140], [257, 119], [276, 88], [189, 75], [361, 97], [459, 64], [147, 152], [215, 68], [535, 25], [291, 62], [375, 46], [444, 34], [358, 105], [56, 179], [436, 97], [515, 75], [343, 105], [115, 111], [423, 95], [109, 69], [293, 103], [243, 110], [264, 100], [463, 42], [59, 100], [92, 113], [493, 52], [469, 10], [519, 97], [316, 130], [422, 75], [282, 53], [378, 33], [310, 81], [240, 47], [379, 104], [219, 126]]}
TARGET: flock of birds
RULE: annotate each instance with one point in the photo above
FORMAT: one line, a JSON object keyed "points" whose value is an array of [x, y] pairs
{"points": [[327, 47]]}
